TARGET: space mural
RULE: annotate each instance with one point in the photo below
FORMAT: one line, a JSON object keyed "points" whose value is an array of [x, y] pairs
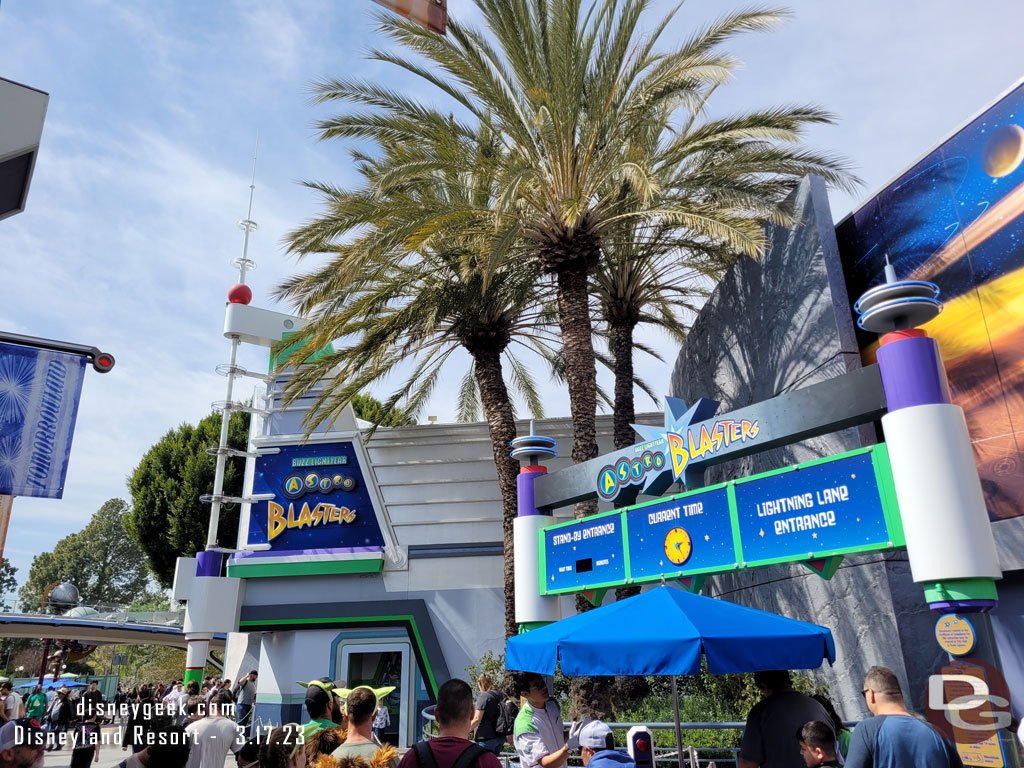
{"points": [[956, 218]]}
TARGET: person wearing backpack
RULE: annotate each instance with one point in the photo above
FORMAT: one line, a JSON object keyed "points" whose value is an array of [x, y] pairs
{"points": [[452, 747], [491, 728]]}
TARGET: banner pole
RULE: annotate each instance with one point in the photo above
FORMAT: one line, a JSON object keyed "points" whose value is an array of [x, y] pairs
{"points": [[6, 502]]}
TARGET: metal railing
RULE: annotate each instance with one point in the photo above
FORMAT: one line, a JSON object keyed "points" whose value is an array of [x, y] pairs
{"points": [[120, 614], [693, 757]]}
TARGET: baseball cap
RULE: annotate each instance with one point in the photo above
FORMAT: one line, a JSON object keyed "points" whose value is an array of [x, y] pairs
{"points": [[320, 689], [23, 732], [595, 735]]}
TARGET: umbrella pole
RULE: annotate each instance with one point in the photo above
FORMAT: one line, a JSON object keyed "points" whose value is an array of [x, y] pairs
{"points": [[679, 731]]}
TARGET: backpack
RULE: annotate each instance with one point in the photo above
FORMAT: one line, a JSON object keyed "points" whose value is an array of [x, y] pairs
{"points": [[508, 711], [425, 756]]}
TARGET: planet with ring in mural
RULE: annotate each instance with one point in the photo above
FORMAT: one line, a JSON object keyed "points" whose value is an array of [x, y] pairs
{"points": [[1004, 151]]}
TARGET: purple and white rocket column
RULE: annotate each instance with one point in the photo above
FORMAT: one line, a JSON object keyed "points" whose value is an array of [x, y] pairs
{"points": [[532, 608], [949, 539]]}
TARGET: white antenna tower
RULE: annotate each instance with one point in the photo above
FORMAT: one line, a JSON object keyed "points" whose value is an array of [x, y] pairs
{"points": [[239, 293]]}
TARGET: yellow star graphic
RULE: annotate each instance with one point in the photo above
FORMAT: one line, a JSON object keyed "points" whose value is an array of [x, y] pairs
{"points": [[814, 535], [762, 533], [706, 537]]}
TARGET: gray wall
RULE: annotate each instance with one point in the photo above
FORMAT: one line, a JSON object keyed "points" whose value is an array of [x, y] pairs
{"points": [[770, 328]]}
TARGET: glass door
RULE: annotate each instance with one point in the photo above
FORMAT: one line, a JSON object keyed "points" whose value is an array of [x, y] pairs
{"points": [[378, 665]]}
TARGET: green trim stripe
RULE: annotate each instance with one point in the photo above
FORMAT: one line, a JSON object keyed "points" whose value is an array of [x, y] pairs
{"points": [[353, 619], [887, 486], [305, 568]]}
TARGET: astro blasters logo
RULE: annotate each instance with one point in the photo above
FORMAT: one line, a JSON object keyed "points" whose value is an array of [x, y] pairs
{"points": [[628, 471], [697, 443], [298, 484]]}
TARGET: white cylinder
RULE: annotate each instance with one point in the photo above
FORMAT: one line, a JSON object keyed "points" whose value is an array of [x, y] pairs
{"points": [[530, 605], [939, 493]]}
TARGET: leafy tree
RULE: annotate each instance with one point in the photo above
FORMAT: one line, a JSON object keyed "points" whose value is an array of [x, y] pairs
{"points": [[400, 298], [572, 92], [101, 560], [8, 578], [369, 408], [168, 520], [598, 124]]}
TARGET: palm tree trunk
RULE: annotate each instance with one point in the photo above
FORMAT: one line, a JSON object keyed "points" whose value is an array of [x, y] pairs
{"points": [[580, 369], [629, 691], [501, 425], [590, 695], [622, 352]]}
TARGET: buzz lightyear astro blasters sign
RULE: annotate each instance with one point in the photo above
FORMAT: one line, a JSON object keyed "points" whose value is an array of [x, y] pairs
{"points": [[321, 501], [667, 453]]}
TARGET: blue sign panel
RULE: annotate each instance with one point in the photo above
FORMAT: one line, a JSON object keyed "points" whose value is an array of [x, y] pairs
{"points": [[589, 553], [814, 509], [39, 392], [321, 504], [690, 533]]}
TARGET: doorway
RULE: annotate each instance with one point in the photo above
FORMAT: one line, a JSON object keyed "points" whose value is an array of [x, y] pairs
{"points": [[378, 665]]}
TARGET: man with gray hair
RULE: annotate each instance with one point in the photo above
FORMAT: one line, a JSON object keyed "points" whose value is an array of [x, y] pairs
{"points": [[893, 738]]}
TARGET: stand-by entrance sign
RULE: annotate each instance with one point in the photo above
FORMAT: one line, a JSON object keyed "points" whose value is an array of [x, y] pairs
{"points": [[814, 512]]}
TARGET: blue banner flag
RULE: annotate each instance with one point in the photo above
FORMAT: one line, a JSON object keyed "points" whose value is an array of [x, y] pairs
{"points": [[39, 393]]}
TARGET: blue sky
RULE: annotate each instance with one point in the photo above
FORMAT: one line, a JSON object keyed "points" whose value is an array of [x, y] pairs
{"points": [[146, 153]]}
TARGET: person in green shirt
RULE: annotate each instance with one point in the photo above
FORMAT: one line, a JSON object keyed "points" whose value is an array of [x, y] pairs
{"points": [[36, 704], [323, 704]]}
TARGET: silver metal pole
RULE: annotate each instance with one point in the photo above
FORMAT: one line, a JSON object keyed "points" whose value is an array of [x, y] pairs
{"points": [[679, 731], [218, 477]]}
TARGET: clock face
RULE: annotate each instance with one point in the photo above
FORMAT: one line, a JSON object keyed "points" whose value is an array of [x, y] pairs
{"points": [[678, 546]]}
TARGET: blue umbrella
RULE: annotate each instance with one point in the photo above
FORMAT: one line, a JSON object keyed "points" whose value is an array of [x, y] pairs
{"points": [[664, 632], [49, 683]]}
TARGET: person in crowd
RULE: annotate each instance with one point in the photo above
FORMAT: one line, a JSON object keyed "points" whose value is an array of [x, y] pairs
{"points": [[892, 737], [214, 735], [768, 736], [91, 702], [21, 744], [249, 755], [538, 736], [14, 707], [485, 715], [360, 707], [226, 687], [817, 743], [170, 748], [174, 692], [140, 723], [35, 705], [195, 709], [283, 748], [85, 737], [842, 732], [324, 707], [451, 746], [381, 719], [245, 695], [597, 747], [192, 689], [58, 717]]}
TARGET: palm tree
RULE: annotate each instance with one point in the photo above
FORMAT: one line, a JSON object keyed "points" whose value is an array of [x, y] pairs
{"points": [[394, 297], [572, 93]]}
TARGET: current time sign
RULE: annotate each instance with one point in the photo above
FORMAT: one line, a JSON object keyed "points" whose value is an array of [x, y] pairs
{"points": [[814, 512]]}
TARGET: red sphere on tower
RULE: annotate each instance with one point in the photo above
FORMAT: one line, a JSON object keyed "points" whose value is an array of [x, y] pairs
{"points": [[239, 293]]}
